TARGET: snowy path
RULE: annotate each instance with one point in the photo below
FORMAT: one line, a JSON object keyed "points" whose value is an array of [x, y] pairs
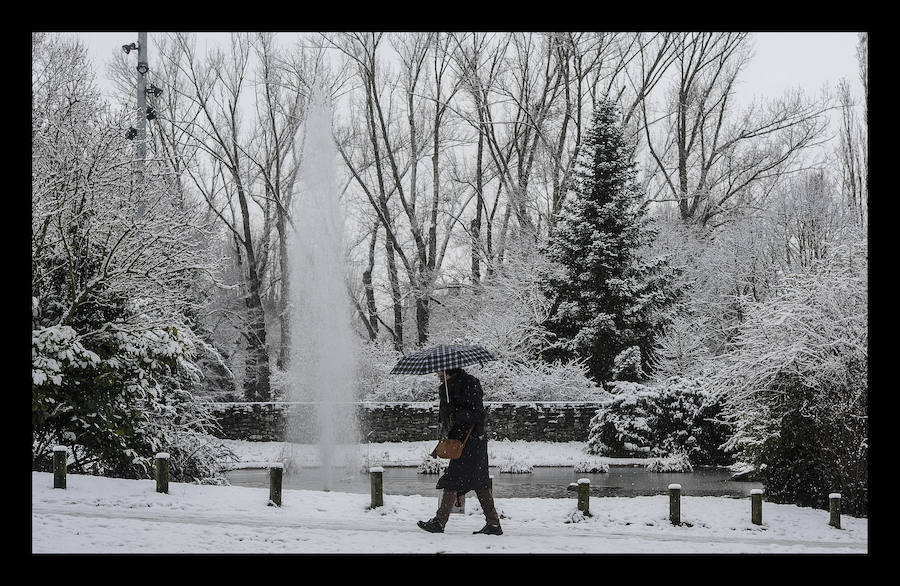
{"points": [[388, 526]]}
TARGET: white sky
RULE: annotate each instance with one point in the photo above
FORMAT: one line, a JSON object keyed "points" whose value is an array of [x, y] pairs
{"points": [[783, 60]]}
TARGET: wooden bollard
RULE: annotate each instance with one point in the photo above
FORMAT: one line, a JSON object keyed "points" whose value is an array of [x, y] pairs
{"points": [[834, 507], [59, 466], [675, 504], [756, 506], [377, 482], [276, 470], [584, 496], [162, 472]]}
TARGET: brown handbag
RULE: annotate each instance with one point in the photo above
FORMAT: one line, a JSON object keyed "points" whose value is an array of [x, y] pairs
{"points": [[450, 449]]}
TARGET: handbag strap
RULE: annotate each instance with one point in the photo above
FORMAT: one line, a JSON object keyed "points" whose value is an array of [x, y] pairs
{"points": [[468, 434]]}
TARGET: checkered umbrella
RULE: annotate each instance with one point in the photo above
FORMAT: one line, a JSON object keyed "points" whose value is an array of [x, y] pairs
{"points": [[441, 358]]}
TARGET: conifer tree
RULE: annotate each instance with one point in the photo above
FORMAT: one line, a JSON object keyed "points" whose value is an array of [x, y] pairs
{"points": [[608, 296]]}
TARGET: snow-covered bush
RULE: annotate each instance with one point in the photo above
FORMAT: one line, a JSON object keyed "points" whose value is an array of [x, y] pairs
{"points": [[620, 427], [117, 407], [55, 350], [537, 381], [432, 465], [373, 383], [674, 463], [640, 421], [515, 465], [591, 465], [501, 380], [795, 383]]}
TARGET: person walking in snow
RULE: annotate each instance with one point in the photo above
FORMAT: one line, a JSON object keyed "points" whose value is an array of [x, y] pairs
{"points": [[461, 408]]}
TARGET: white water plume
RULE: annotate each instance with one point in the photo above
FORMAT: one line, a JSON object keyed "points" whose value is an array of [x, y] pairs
{"points": [[323, 360]]}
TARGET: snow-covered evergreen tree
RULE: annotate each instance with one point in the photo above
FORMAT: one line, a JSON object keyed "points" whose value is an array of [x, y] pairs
{"points": [[608, 294]]}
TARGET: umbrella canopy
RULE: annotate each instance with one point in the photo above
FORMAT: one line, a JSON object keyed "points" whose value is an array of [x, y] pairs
{"points": [[441, 358]]}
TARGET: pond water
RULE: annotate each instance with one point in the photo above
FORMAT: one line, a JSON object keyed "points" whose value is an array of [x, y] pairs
{"points": [[543, 481]]}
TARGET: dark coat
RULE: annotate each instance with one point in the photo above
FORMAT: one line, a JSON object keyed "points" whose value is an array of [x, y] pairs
{"points": [[470, 470]]}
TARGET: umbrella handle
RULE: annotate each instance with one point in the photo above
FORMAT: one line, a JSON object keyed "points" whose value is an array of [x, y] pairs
{"points": [[446, 390]]}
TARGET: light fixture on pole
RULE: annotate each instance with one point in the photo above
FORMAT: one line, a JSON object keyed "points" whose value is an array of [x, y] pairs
{"points": [[131, 133], [129, 48], [151, 113], [154, 91], [143, 68]]}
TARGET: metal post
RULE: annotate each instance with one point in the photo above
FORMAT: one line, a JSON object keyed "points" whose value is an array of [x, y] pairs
{"points": [[143, 62], [276, 470], [162, 472], [59, 466], [834, 507], [756, 506], [377, 486], [675, 504]]}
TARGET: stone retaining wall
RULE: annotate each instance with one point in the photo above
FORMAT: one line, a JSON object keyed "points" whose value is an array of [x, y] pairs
{"points": [[398, 422]]}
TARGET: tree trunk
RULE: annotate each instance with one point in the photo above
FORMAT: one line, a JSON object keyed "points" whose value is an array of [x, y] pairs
{"points": [[370, 291], [256, 369], [475, 226], [284, 353]]}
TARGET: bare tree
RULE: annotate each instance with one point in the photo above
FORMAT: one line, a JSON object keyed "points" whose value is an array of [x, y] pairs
{"points": [[393, 148], [851, 150], [361, 49], [479, 60], [862, 56], [216, 87], [711, 160]]}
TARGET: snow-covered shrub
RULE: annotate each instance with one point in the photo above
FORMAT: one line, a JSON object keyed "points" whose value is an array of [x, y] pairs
{"points": [[55, 350], [689, 420], [641, 421], [795, 383], [121, 404], [674, 463], [536, 381], [620, 427], [515, 465], [501, 380], [575, 516], [373, 383], [591, 465], [432, 465]]}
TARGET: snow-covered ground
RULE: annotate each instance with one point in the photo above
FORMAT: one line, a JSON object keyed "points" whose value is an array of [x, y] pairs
{"points": [[106, 515]]}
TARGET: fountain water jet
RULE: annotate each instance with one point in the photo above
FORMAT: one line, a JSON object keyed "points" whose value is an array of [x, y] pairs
{"points": [[323, 360]]}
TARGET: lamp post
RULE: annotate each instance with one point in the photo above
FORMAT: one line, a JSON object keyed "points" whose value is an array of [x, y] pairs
{"points": [[143, 114]]}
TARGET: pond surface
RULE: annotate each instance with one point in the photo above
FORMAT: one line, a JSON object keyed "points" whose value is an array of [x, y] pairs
{"points": [[543, 481]]}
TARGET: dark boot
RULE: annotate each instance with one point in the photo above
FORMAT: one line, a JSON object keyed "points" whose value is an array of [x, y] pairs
{"points": [[432, 525], [489, 529]]}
